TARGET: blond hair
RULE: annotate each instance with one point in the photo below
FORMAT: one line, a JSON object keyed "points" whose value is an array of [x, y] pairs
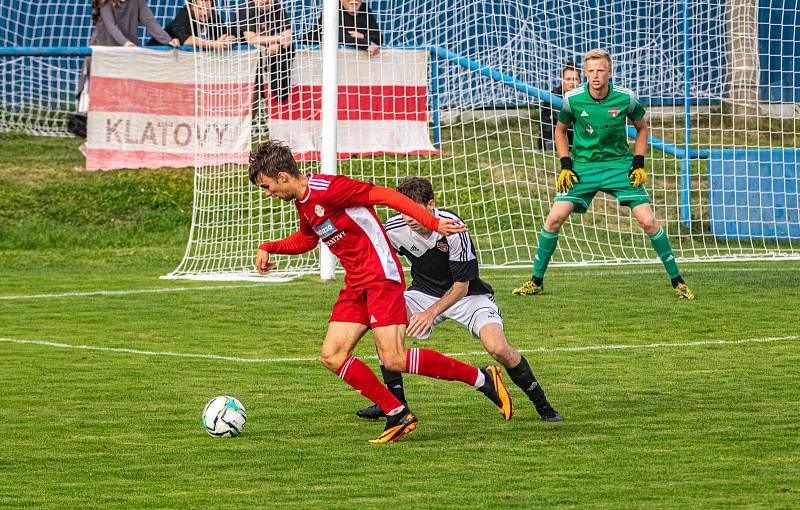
{"points": [[596, 54]]}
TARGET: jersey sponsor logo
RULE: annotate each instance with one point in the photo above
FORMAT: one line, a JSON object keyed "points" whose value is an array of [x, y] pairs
{"points": [[332, 240], [442, 245], [584, 114], [611, 125], [589, 129], [319, 210], [613, 112], [325, 229]]}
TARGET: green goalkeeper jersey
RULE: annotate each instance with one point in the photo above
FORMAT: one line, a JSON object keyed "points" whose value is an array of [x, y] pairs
{"points": [[600, 139]]}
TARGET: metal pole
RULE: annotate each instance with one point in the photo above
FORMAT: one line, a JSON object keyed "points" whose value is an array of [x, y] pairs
{"points": [[437, 122], [330, 112], [686, 162]]}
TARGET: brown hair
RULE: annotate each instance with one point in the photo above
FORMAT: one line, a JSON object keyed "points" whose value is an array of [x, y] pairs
{"points": [[417, 189], [597, 53], [270, 158], [98, 4], [570, 66]]}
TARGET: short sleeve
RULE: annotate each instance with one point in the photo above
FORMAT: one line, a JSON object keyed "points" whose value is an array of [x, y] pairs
{"points": [[635, 108], [464, 271], [463, 264], [565, 115], [346, 192], [390, 226]]}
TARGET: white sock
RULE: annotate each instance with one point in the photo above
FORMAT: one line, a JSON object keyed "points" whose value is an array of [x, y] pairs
{"points": [[481, 380], [395, 411]]}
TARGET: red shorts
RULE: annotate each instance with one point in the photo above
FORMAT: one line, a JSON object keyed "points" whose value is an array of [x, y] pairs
{"points": [[374, 305]]}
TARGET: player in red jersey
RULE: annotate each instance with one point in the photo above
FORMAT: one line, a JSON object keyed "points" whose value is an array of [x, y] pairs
{"points": [[338, 210]]}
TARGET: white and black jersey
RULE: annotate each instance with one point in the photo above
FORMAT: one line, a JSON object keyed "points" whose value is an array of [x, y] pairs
{"points": [[438, 261]]}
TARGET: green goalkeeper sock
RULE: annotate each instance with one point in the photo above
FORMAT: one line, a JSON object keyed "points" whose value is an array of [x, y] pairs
{"points": [[660, 243], [547, 245]]}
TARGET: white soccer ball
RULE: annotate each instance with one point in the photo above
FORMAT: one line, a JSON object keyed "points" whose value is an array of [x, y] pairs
{"points": [[224, 416]]}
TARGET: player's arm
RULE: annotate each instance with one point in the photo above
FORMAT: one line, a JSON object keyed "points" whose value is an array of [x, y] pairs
{"points": [[302, 241], [567, 176], [561, 139], [421, 322], [346, 192], [642, 132], [378, 195], [463, 269], [637, 175]]}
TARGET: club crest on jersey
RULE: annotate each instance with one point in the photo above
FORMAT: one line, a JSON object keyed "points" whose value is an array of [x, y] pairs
{"points": [[613, 112], [442, 245], [589, 129], [319, 210]]}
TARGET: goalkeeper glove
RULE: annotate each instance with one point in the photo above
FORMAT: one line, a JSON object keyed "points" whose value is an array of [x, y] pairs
{"points": [[567, 176], [637, 175]]}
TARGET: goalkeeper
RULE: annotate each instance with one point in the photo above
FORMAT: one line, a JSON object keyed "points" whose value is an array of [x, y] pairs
{"points": [[597, 111]]}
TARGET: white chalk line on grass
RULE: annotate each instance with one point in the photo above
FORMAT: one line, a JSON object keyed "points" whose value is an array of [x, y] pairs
{"points": [[126, 292], [569, 273], [684, 271], [658, 345]]}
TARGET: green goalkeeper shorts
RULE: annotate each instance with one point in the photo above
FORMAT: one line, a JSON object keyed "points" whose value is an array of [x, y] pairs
{"points": [[613, 181]]}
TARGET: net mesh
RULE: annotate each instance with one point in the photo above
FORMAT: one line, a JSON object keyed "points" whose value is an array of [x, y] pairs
{"points": [[718, 78], [40, 92], [722, 65]]}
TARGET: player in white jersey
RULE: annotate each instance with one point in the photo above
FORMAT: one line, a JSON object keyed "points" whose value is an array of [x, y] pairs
{"points": [[446, 285]]}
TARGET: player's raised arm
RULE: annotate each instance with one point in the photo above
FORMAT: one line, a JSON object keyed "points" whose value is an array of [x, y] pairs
{"points": [[379, 195]]}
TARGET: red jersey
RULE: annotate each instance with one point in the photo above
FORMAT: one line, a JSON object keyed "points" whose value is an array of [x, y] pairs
{"points": [[336, 209]]}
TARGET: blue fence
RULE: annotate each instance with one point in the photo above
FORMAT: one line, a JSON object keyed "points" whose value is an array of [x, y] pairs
{"points": [[754, 193]]}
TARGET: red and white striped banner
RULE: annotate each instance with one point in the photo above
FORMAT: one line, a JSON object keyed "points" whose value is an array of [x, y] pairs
{"points": [[147, 109], [382, 105]]}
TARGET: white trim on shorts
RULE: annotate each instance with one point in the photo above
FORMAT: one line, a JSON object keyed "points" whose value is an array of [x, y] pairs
{"points": [[472, 312]]}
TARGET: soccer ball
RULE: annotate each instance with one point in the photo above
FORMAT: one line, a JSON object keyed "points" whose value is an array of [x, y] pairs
{"points": [[224, 416]]}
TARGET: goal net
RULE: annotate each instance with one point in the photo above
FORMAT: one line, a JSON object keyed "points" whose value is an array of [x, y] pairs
{"points": [[717, 78], [456, 94], [43, 46]]}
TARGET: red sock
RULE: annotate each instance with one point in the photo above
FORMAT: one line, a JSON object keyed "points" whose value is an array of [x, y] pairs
{"points": [[358, 375], [436, 364]]}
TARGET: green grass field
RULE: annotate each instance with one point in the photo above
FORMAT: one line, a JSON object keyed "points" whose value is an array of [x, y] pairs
{"points": [[701, 409]]}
